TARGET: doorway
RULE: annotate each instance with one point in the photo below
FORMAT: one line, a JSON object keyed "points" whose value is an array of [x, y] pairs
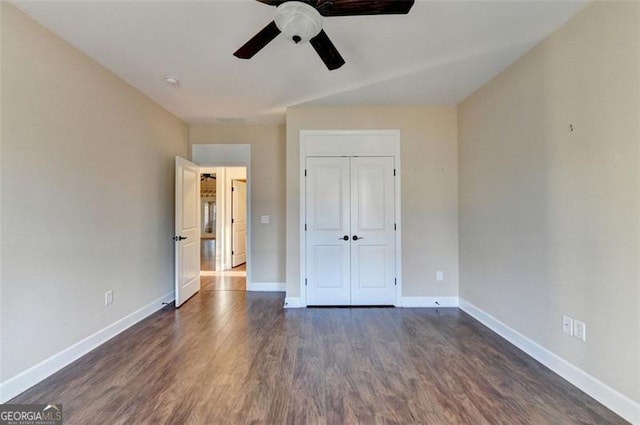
{"points": [[220, 158], [223, 242], [208, 214], [232, 219], [223, 205]]}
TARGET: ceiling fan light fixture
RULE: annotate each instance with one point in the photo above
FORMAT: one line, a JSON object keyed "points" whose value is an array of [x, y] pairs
{"points": [[298, 21]]}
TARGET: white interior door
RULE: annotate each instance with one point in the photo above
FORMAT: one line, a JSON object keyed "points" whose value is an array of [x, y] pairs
{"points": [[328, 246], [187, 230], [238, 222], [350, 240], [372, 231]]}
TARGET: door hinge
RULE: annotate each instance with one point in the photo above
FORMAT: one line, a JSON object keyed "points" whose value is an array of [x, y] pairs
{"points": [[394, 172], [232, 221], [232, 252], [395, 226], [305, 282], [305, 172], [233, 189], [305, 227], [395, 281]]}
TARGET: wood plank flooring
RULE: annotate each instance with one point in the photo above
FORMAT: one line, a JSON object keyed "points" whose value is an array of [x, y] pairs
{"points": [[207, 254], [234, 357], [223, 282]]}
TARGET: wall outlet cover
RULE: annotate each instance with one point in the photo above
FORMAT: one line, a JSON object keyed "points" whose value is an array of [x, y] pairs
{"points": [[108, 297], [580, 330]]}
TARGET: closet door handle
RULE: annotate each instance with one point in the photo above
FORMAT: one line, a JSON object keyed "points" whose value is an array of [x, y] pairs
{"points": [[344, 238], [355, 237]]}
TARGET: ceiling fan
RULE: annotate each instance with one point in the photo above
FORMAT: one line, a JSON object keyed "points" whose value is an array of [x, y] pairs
{"points": [[301, 21]]}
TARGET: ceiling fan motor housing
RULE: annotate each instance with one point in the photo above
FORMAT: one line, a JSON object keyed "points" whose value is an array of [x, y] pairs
{"points": [[298, 21]]}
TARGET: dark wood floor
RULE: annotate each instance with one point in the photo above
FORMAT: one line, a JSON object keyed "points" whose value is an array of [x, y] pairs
{"points": [[223, 282], [208, 256], [235, 357]]}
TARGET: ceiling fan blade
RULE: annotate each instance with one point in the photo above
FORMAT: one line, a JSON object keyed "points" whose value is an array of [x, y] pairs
{"points": [[272, 2], [327, 51], [363, 7], [258, 41]]}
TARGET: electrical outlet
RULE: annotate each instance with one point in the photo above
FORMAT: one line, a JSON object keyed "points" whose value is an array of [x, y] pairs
{"points": [[567, 324], [580, 330], [108, 297], [439, 276]]}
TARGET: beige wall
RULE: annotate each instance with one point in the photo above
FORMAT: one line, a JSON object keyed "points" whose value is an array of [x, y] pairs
{"points": [[87, 195], [429, 188], [267, 190], [548, 216]]}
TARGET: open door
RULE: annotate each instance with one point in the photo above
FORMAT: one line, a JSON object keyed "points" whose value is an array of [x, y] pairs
{"points": [[187, 230], [238, 222]]}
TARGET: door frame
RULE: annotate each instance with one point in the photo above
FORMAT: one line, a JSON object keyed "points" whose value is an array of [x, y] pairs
{"points": [[350, 143], [229, 155]]}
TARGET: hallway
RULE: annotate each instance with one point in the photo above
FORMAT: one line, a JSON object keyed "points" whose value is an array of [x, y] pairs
{"points": [[207, 254], [212, 280]]}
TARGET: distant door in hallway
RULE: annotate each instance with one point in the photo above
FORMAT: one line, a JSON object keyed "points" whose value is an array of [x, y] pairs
{"points": [[350, 241], [238, 222], [187, 230]]}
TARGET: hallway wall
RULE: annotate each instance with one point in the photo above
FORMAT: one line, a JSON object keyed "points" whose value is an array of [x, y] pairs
{"points": [[549, 194], [267, 189]]}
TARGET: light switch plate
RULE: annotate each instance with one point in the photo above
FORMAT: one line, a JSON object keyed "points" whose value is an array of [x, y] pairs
{"points": [[567, 324]]}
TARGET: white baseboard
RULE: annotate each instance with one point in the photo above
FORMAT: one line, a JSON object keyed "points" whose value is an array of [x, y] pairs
{"points": [[28, 378], [293, 302], [414, 302], [267, 286], [612, 399], [407, 302]]}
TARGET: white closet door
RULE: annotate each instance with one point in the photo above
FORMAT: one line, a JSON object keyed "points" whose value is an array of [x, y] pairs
{"points": [[350, 237], [372, 231], [327, 219]]}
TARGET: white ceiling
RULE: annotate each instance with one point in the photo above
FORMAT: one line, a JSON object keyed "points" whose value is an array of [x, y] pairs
{"points": [[438, 54]]}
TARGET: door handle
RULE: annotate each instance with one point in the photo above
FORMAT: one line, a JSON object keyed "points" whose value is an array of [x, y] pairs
{"points": [[344, 238], [355, 237], [179, 238]]}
